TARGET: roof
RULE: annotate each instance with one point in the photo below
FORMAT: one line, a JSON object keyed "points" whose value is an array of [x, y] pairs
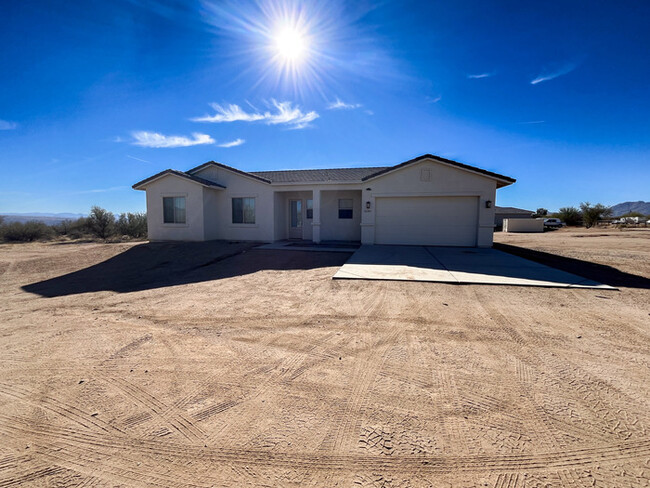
{"points": [[507, 179], [318, 175], [513, 210], [229, 168], [196, 179], [339, 175]]}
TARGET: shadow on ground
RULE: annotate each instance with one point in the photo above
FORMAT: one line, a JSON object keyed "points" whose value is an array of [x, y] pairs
{"points": [[592, 271], [157, 265]]}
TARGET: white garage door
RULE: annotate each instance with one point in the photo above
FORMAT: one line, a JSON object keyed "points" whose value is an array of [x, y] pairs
{"points": [[433, 221]]}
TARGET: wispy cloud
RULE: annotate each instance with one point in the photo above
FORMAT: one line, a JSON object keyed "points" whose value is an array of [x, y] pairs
{"points": [[7, 125], [100, 190], [341, 105], [137, 159], [551, 74], [480, 75], [236, 142], [434, 99], [285, 113], [154, 139], [531, 122]]}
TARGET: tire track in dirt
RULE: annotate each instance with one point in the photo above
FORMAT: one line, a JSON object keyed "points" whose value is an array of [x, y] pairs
{"points": [[121, 446], [284, 372], [602, 400], [69, 412], [174, 419]]}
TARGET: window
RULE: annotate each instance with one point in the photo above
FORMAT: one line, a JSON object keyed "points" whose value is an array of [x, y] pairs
{"points": [[345, 208], [174, 210], [243, 210], [310, 209]]}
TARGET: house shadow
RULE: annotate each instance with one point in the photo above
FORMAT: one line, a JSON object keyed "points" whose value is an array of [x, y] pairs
{"points": [[590, 270], [158, 265]]}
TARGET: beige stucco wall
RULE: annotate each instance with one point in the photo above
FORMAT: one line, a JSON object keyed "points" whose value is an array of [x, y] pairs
{"points": [[429, 178], [174, 186], [334, 229], [523, 225], [219, 211]]}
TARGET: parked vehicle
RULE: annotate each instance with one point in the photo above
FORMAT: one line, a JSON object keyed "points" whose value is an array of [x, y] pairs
{"points": [[553, 223]]}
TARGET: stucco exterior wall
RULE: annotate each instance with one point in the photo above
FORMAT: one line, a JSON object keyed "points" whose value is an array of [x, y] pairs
{"points": [[334, 229], [220, 210], [428, 178], [173, 186]]}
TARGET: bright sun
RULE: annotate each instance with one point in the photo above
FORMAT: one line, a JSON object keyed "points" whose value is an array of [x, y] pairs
{"points": [[291, 45]]}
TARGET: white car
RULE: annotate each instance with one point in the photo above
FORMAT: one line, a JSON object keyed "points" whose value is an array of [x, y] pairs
{"points": [[553, 223]]}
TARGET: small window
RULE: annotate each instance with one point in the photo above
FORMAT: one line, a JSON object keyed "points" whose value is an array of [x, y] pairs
{"points": [[243, 210], [345, 208], [174, 210], [310, 209]]}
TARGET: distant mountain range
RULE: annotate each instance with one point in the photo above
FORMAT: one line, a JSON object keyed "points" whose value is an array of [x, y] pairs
{"points": [[48, 218], [627, 207]]}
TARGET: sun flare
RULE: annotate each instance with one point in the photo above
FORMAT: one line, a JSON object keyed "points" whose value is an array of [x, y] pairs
{"points": [[290, 44]]}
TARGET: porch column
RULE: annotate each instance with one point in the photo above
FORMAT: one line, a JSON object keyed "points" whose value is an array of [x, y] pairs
{"points": [[315, 223]]}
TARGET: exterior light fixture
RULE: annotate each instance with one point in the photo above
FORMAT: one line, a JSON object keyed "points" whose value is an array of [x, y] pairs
{"points": [[488, 204], [368, 205]]}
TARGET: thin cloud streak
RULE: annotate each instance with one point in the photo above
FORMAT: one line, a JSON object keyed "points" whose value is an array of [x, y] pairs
{"points": [[532, 122], [7, 125], [341, 105], [551, 75], [479, 76], [285, 114], [434, 100], [137, 159], [236, 142], [156, 140], [100, 190]]}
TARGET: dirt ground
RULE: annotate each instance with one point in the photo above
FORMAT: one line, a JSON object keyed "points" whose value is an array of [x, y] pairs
{"points": [[214, 364]]}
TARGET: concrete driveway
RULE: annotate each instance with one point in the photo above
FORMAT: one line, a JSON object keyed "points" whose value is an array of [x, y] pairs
{"points": [[455, 265]]}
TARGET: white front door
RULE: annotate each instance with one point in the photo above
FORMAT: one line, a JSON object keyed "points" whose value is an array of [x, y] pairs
{"points": [[295, 219]]}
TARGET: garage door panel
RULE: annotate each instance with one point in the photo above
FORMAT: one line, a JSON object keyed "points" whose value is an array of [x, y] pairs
{"points": [[434, 221]]}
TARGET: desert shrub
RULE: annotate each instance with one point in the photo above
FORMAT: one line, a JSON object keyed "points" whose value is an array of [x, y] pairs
{"points": [[73, 228], [2, 219], [132, 224], [591, 214], [569, 215], [27, 232], [101, 222]]}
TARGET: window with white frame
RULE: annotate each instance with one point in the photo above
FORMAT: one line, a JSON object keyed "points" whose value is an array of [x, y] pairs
{"points": [[243, 210], [174, 210], [345, 208], [310, 208]]}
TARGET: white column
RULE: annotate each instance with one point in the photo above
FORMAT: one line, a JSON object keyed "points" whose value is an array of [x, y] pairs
{"points": [[315, 223]]}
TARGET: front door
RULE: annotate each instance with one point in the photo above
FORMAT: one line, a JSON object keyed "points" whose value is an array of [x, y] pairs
{"points": [[295, 219]]}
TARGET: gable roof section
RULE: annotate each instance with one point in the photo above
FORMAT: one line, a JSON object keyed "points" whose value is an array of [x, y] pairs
{"points": [[505, 179], [317, 175], [333, 175], [513, 210], [196, 179], [227, 168]]}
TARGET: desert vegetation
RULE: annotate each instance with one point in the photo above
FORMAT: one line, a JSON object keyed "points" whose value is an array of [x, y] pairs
{"points": [[100, 224]]}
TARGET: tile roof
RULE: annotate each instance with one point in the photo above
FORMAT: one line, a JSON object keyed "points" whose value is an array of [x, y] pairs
{"points": [[446, 161], [513, 210], [317, 175], [196, 179]]}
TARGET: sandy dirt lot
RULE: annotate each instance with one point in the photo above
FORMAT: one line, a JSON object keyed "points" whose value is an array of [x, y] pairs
{"points": [[215, 364]]}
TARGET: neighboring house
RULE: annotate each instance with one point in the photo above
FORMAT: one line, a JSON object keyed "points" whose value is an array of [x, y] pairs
{"points": [[501, 213], [427, 200]]}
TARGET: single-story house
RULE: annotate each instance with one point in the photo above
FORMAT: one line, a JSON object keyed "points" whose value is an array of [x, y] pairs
{"points": [[428, 200], [501, 213]]}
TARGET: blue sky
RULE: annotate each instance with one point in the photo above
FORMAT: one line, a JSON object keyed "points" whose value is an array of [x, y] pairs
{"points": [[95, 95]]}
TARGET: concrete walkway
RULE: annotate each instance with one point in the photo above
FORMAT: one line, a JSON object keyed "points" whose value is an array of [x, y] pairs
{"points": [[455, 265]]}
